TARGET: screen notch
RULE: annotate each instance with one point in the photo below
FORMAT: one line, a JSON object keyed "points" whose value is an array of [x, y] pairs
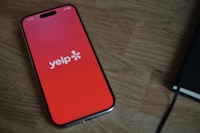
{"points": [[47, 14]]}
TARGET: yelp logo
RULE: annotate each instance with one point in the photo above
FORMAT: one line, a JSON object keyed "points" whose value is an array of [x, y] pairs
{"points": [[65, 59]]}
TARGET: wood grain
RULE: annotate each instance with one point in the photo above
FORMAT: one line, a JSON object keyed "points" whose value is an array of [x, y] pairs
{"points": [[140, 44]]}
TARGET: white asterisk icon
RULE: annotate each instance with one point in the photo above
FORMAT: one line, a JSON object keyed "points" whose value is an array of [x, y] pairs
{"points": [[75, 55]]}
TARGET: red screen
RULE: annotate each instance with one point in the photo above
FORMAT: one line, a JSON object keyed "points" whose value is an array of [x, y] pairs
{"points": [[71, 79]]}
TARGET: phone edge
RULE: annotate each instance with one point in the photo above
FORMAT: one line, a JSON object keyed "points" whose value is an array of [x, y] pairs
{"points": [[83, 119]]}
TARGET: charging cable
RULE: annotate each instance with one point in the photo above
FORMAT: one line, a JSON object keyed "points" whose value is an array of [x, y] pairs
{"points": [[167, 113]]}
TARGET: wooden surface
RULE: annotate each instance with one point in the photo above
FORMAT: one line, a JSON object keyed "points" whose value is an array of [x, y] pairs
{"points": [[140, 44]]}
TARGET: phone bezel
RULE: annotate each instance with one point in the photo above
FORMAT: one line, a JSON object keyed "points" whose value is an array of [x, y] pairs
{"points": [[39, 83]]}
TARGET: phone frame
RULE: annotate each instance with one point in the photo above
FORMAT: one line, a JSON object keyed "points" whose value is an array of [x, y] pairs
{"points": [[83, 119]]}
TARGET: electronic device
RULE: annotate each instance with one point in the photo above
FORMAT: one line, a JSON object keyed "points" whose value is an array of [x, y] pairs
{"points": [[70, 76]]}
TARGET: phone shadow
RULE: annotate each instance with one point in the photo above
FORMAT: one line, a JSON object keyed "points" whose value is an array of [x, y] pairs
{"points": [[183, 46]]}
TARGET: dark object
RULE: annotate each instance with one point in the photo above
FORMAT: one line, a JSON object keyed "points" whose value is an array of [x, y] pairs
{"points": [[188, 80], [166, 115], [48, 14]]}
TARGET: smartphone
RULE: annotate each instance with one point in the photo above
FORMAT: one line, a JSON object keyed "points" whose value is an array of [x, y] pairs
{"points": [[71, 78]]}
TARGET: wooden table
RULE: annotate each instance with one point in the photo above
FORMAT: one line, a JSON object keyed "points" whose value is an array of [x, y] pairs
{"points": [[140, 45]]}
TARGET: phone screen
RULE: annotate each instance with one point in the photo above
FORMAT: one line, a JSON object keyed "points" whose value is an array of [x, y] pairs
{"points": [[70, 76]]}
